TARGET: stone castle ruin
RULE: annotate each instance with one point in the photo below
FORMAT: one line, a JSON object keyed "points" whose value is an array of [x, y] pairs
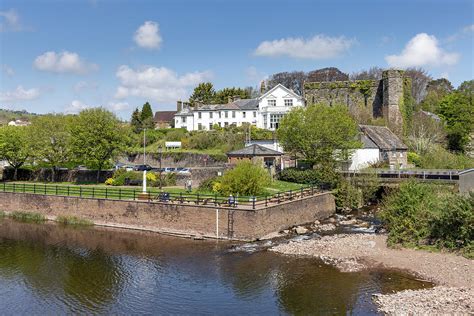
{"points": [[366, 99]]}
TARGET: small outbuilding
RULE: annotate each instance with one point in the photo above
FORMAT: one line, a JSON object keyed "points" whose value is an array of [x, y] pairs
{"points": [[267, 157]]}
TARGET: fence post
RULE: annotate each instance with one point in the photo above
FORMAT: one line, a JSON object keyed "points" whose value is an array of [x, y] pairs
{"points": [[106, 193], [14, 187], [45, 189], [120, 193], [266, 200], [290, 195], [312, 189], [301, 194], [24, 190], [278, 199], [3, 186], [34, 187], [56, 190], [197, 199], [134, 198], [80, 192], [253, 202], [215, 199], [93, 192], [181, 197], [67, 190]]}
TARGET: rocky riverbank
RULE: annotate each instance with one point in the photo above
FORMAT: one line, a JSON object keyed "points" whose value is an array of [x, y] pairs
{"points": [[354, 252]]}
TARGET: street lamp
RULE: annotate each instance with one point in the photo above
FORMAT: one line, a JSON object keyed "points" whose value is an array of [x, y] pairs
{"points": [[144, 160], [160, 151]]}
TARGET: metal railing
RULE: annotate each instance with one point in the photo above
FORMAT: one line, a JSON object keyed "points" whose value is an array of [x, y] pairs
{"points": [[156, 196], [428, 174]]}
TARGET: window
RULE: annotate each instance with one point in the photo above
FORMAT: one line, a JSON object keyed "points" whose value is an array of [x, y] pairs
{"points": [[226, 114], [243, 114], [272, 102], [275, 120], [183, 119], [210, 114], [199, 126], [199, 115], [220, 114], [265, 121], [210, 125], [254, 114], [288, 102], [233, 114]]}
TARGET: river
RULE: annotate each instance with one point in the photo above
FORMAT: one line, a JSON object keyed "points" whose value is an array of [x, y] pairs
{"points": [[52, 269]]}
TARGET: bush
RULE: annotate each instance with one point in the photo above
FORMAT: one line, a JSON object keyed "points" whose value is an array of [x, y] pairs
{"points": [[245, 179], [440, 158], [348, 195], [109, 181], [414, 159], [28, 217], [418, 214], [73, 220]]}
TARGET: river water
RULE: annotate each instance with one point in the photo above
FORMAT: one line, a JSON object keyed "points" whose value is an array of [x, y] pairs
{"points": [[50, 269]]}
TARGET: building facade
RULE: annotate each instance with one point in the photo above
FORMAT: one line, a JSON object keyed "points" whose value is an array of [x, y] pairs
{"points": [[265, 111]]}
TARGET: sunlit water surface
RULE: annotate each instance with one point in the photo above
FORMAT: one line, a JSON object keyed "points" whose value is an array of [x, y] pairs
{"points": [[49, 269]]}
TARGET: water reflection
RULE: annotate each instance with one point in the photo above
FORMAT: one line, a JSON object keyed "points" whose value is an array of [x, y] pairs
{"points": [[52, 269]]}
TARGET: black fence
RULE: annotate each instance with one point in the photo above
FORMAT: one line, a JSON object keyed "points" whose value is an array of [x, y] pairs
{"points": [[156, 196]]}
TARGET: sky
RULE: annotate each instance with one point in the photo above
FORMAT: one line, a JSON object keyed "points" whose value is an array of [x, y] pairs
{"points": [[65, 56]]}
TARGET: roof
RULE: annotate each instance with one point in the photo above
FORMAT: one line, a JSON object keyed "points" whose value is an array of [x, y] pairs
{"points": [[382, 137], [242, 104], [254, 150], [164, 116], [367, 142], [282, 87]]}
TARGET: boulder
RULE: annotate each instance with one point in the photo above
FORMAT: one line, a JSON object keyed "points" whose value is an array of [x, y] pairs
{"points": [[300, 230], [349, 222]]}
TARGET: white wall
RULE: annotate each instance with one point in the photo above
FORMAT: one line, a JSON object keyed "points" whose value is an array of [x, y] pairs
{"points": [[362, 158]]}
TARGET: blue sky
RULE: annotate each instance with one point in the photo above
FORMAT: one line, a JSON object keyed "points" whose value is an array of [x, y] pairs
{"points": [[63, 56]]}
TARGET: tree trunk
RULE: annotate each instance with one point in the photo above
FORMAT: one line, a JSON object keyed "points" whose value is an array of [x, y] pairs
{"points": [[98, 173], [15, 173], [52, 174]]}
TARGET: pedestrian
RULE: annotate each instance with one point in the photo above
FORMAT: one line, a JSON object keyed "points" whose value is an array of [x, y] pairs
{"points": [[231, 200]]}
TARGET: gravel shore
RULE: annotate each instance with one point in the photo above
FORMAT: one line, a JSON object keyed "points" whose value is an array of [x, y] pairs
{"points": [[354, 252]]}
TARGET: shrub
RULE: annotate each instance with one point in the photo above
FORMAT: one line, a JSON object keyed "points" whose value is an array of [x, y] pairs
{"points": [[317, 176], [109, 181], [73, 220], [28, 217], [414, 159], [208, 185], [440, 158], [348, 195], [245, 179], [453, 226]]}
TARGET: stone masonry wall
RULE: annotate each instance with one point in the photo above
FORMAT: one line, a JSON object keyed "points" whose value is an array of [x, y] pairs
{"points": [[184, 219], [366, 99]]}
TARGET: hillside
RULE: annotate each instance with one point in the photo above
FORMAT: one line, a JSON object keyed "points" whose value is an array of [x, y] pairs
{"points": [[9, 115]]}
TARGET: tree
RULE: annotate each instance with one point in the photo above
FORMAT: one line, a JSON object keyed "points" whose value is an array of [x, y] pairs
{"points": [[245, 179], [457, 110], [204, 93], [419, 81], [50, 141], [146, 116], [374, 73], [320, 134], [435, 91], [97, 138], [223, 96], [327, 74], [292, 80], [15, 146], [426, 132], [136, 121]]}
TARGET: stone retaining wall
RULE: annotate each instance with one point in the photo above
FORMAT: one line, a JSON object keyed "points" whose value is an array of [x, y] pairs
{"points": [[186, 219]]}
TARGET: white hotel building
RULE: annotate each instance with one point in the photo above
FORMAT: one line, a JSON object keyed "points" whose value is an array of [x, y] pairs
{"points": [[263, 112]]}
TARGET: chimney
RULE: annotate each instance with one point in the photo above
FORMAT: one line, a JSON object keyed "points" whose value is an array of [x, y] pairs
{"points": [[179, 106], [236, 97], [229, 99]]}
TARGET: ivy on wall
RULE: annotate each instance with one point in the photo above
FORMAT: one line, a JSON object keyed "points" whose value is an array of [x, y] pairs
{"points": [[407, 106]]}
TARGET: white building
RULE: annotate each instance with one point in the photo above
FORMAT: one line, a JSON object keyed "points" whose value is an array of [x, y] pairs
{"points": [[263, 112]]}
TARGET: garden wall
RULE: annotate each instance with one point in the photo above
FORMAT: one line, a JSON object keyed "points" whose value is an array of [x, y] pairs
{"points": [[186, 219]]}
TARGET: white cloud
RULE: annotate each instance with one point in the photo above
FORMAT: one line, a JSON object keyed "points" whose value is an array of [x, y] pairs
{"points": [[254, 75], [148, 35], [10, 21], [468, 29], [422, 50], [158, 84], [19, 94], [118, 106], [317, 47], [7, 70], [64, 62], [84, 85], [75, 107]]}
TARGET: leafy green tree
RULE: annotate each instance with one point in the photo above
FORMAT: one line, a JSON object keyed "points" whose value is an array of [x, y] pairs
{"points": [[147, 116], [15, 146], [222, 96], [245, 179], [203, 93], [97, 138], [457, 110], [436, 90], [136, 121], [320, 134], [50, 141]]}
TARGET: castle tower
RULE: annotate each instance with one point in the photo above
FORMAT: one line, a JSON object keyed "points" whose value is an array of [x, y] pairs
{"points": [[392, 81]]}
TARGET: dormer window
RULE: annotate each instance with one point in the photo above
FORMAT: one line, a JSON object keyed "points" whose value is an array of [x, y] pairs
{"points": [[288, 102], [271, 102]]}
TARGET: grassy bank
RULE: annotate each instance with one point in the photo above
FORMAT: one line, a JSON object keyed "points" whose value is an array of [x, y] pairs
{"points": [[429, 216], [29, 217], [73, 220]]}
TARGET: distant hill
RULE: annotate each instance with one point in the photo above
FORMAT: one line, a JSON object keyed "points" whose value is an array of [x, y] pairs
{"points": [[9, 115]]}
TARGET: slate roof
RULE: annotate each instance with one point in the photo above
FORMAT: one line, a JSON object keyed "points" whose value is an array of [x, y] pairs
{"points": [[242, 104], [367, 142], [254, 150], [382, 137], [164, 116]]}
